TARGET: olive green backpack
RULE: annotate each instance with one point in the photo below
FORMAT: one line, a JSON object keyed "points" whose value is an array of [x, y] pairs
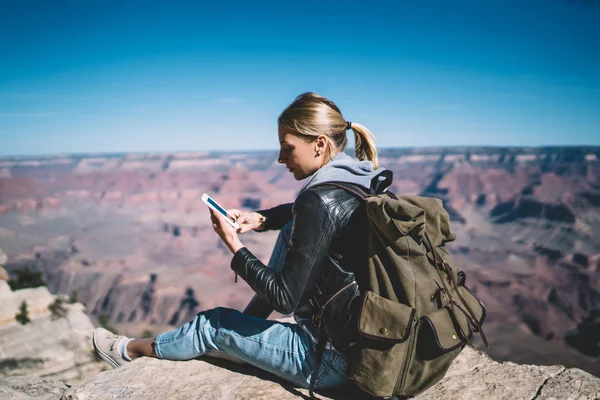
{"points": [[416, 313]]}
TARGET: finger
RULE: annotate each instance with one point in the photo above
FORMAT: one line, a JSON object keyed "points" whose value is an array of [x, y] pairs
{"points": [[234, 212], [213, 214], [214, 218], [219, 219]]}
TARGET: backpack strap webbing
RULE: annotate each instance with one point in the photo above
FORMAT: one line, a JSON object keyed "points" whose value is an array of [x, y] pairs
{"points": [[445, 267]]}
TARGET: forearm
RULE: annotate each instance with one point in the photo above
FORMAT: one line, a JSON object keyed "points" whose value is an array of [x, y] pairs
{"points": [[234, 244], [276, 217], [265, 282]]}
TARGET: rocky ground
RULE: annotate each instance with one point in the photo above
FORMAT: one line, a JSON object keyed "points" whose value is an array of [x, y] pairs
{"points": [[473, 375]]}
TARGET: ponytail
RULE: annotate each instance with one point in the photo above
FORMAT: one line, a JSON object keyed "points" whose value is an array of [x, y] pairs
{"points": [[364, 143]]}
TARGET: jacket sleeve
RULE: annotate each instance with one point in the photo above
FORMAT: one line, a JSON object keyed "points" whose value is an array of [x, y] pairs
{"points": [[312, 233], [277, 216]]}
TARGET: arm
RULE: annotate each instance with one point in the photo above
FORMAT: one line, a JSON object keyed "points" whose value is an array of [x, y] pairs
{"points": [[277, 216], [262, 220], [312, 233]]}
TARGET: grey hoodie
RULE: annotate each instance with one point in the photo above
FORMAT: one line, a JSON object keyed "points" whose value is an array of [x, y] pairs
{"points": [[343, 168]]}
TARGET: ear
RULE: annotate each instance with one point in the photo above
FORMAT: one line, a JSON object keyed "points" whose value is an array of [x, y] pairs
{"points": [[321, 144]]}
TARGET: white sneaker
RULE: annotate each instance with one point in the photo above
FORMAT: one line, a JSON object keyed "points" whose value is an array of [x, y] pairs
{"points": [[106, 345]]}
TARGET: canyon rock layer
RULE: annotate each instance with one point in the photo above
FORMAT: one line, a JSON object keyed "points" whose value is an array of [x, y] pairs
{"points": [[130, 235]]}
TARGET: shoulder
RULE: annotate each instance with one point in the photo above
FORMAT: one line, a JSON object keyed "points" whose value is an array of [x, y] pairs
{"points": [[309, 199], [329, 192], [327, 197]]}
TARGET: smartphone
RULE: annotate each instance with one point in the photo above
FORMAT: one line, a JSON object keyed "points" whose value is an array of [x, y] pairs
{"points": [[217, 208]]}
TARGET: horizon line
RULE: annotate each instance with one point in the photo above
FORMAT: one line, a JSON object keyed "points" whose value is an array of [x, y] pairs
{"points": [[379, 150]]}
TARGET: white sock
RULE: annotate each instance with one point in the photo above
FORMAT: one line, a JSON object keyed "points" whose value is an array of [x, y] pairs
{"points": [[122, 347]]}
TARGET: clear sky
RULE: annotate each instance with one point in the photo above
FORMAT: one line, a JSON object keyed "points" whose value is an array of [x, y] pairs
{"points": [[118, 76]]}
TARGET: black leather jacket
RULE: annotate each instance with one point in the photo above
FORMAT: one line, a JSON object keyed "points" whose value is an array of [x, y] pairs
{"points": [[328, 232]]}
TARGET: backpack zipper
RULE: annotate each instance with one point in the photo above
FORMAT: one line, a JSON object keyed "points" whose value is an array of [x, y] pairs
{"points": [[411, 345]]}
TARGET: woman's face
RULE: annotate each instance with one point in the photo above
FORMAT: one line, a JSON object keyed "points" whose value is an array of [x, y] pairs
{"points": [[301, 158]]}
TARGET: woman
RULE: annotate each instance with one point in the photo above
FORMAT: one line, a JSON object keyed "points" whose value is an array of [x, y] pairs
{"points": [[327, 234]]}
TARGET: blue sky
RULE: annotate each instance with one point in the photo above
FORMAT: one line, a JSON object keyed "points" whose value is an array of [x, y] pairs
{"points": [[107, 76]]}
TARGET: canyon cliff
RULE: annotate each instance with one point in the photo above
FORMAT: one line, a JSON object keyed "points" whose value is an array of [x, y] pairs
{"points": [[130, 234]]}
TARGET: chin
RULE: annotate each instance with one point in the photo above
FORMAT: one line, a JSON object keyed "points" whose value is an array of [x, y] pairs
{"points": [[298, 175]]}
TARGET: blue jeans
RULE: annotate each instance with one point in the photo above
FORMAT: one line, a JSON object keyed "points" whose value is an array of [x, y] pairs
{"points": [[283, 349]]}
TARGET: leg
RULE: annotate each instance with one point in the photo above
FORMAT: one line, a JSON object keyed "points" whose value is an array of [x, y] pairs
{"points": [[141, 348], [280, 348]]}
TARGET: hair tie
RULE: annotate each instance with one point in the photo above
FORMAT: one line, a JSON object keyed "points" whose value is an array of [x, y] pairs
{"points": [[348, 125]]}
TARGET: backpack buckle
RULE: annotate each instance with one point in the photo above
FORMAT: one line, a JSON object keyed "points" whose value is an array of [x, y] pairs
{"points": [[439, 296], [316, 320], [316, 316]]}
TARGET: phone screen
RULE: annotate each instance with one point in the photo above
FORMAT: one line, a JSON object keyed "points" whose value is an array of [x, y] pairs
{"points": [[221, 210]]}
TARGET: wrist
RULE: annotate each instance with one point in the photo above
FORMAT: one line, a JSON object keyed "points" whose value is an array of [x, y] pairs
{"points": [[261, 222], [234, 245]]}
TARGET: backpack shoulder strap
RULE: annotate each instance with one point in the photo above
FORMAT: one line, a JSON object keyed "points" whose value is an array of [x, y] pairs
{"points": [[355, 190], [378, 185], [381, 181]]}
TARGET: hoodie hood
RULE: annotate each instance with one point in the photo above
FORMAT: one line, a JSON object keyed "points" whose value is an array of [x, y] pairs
{"points": [[343, 168]]}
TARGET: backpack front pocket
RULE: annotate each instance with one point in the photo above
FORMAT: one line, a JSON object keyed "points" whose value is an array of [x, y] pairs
{"points": [[443, 331], [384, 320], [380, 359]]}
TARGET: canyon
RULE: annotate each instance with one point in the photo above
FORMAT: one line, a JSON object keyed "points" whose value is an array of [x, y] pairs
{"points": [[129, 234]]}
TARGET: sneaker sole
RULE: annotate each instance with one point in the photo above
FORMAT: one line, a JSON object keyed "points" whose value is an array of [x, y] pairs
{"points": [[103, 355]]}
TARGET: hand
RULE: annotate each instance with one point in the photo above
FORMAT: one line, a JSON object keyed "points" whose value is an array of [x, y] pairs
{"points": [[226, 232], [246, 220]]}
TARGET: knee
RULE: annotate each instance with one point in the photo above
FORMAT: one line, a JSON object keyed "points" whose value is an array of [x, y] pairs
{"points": [[220, 316]]}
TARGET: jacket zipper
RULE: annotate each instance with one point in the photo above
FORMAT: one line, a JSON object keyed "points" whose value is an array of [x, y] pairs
{"points": [[334, 296], [411, 345]]}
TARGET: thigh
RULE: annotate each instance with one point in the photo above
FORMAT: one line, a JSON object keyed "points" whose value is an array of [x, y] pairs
{"points": [[333, 371], [283, 349]]}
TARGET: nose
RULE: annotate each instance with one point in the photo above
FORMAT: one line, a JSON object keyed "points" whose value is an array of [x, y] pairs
{"points": [[280, 158]]}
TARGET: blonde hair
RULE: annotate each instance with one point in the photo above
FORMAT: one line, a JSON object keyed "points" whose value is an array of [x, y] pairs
{"points": [[311, 115]]}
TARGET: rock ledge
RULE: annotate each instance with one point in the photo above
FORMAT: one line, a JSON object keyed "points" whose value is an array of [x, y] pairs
{"points": [[472, 376]]}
